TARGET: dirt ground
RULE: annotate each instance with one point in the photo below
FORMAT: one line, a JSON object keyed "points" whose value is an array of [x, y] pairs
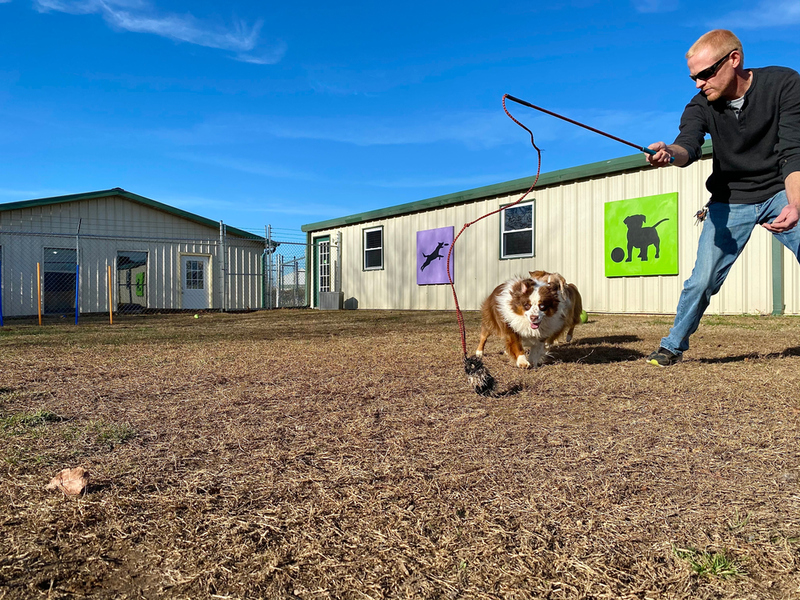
{"points": [[342, 455]]}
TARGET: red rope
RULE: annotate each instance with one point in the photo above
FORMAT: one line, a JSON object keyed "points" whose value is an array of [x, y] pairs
{"points": [[459, 315]]}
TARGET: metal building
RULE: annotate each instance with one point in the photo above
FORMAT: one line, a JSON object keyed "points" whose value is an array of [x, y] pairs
{"points": [[81, 252], [369, 260]]}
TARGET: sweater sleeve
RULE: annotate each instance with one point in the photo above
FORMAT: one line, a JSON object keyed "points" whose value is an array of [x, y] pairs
{"points": [[693, 129], [789, 126]]}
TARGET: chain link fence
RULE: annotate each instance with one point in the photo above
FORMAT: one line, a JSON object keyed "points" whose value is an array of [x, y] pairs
{"points": [[85, 266]]}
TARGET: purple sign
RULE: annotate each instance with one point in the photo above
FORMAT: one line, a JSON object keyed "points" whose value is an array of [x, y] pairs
{"points": [[433, 246]]}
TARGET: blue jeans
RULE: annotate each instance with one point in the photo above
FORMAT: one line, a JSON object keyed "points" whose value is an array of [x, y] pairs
{"points": [[725, 233]]}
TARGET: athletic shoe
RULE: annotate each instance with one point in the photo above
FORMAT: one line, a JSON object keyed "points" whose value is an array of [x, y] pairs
{"points": [[663, 358]]}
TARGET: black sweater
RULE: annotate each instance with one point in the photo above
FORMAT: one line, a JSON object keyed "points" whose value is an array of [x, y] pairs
{"points": [[754, 153]]}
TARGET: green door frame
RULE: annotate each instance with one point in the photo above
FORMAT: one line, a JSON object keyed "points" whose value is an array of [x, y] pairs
{"points": [[317, 242]]}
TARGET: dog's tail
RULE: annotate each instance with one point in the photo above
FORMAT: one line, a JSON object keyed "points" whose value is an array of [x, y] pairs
{"points": [[660, 222]]}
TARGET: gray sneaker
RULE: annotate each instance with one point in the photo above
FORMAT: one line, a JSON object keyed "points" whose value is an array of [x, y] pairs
{"points": [[663, 358]]}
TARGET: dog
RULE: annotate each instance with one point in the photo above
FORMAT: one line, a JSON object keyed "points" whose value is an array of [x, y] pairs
{"points": [[641, 237], [429, 258], [530, 314]]}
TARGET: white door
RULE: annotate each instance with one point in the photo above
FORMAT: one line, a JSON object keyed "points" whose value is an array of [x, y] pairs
{"points": [[196, 282]]}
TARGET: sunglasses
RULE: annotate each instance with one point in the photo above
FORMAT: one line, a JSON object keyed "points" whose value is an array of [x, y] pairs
{"points": [[708, 73]]}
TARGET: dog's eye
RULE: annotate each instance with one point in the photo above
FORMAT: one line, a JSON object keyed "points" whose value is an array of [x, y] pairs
{"points": [[542, 307], [527, 305]]}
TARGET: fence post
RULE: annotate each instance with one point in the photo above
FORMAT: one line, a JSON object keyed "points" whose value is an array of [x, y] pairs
{"points": [[78, 271], [338, 267], [279, 285], [265, 271], [39, 290], [110, 299], [270, 252], [223, 267], [296, 279]]}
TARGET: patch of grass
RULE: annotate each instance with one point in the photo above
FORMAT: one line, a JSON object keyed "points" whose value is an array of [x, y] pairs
{"points": [[111, 434], [710, 564], [21, 421], [738, 521], [343, 453]]}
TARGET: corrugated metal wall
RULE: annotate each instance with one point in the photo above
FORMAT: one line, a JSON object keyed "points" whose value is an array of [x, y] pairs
{"points": [[791, 281], [102, 227], [569, 238]]}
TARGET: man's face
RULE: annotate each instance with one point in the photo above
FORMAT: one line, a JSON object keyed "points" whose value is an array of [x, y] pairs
{"points": [[719, 84]]}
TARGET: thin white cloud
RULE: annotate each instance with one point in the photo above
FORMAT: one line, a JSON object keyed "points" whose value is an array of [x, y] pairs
{"points": [[138, 16], [275, 171], [655, 6], [269, 57], [12, 195], [474, 130], [252, 206], [479, 129], [448, 183], [767, 13], [245, 166]]}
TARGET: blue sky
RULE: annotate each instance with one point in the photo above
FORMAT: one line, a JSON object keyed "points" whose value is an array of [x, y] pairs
{"points": [[285, 114]]}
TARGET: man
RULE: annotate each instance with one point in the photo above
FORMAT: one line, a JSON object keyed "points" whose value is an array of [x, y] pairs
{"points": [[753, 118]]}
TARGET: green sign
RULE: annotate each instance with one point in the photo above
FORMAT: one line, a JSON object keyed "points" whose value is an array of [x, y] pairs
{"points": [[641, 236]]}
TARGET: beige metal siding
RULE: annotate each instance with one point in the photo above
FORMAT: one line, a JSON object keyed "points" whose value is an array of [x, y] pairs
{"points": [[569, 238], [246, 281], [791, 280], [112, 224]]}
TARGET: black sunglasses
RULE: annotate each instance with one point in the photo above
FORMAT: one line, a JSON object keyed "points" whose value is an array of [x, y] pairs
{"points": [[708, 73]]}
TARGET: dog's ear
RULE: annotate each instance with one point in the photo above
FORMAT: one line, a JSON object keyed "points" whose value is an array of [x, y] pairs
{"points": [[558, 279], [540, 275], [639, 219], [526, 285]]}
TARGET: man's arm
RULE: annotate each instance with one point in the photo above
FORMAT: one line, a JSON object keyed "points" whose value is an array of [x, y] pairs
{"points": [[664, 153], [791, 214]]}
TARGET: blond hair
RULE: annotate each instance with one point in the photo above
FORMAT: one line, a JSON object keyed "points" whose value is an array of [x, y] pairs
{"points": [[721, 40]]}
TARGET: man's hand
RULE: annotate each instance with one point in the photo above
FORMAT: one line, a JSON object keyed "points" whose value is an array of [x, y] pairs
{"points": [[665, 153], [784, 221], [662, 156]]}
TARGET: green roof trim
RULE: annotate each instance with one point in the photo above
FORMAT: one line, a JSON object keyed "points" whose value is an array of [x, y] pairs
{"points": [[130, 196], [562, 176]]}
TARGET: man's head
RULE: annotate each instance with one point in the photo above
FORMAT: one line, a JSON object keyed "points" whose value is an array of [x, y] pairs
{"points": [[716, 64]]}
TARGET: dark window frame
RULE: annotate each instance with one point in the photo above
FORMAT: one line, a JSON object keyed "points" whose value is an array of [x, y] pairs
{"points": [[504, 233], [379, 249]]}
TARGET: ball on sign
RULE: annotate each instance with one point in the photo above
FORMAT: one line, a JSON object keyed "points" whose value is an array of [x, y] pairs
{"points": [[584, 316]]}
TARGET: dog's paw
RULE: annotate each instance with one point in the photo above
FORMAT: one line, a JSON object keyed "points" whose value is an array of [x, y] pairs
{"points": [[479, 353], [522, 362]]}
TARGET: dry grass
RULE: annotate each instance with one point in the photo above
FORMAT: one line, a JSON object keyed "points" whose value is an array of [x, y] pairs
{"points": [[315, 455]]}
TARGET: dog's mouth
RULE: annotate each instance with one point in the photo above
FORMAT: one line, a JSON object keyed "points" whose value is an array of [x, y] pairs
{"points": [[535, 320]]}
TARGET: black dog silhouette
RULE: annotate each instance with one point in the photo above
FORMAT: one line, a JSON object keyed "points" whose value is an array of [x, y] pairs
{"points": [[435, 254], [641, 237]]}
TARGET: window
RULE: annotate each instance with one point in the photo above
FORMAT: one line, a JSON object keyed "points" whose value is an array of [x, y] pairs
{"points": [[195, 275], [516, 225], [373, 249]]}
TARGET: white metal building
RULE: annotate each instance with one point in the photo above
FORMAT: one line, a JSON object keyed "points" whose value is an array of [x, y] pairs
{"points": [[57, 252], [370, 257]]}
